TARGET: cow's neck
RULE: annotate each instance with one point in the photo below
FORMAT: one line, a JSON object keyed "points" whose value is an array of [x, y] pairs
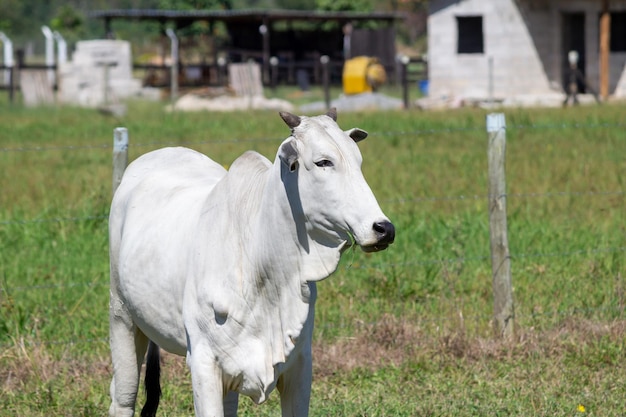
{"points": [[286, 241], [284, 263]]}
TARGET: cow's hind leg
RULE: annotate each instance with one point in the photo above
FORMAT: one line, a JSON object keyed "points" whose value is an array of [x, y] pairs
{"points": [[128, 348], [231, 403]]}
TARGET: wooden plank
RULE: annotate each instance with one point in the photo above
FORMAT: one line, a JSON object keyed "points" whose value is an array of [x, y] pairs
{"points": [[36, 88], [245, 79]]}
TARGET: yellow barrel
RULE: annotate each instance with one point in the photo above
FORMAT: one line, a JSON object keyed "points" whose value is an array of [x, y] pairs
{"points": [[361, 74]]}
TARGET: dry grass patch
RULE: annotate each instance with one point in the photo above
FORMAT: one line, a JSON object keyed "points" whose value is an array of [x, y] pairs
{"points": [[396, 342]]}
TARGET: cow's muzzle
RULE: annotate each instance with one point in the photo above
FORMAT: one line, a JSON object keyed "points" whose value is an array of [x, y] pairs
{"points": [[385, 232]]}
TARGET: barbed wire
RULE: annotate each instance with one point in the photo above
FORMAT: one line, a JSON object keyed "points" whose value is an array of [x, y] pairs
{"points": [[388, 201], [512, 256], [56, 219], [47, 343], [55, 148], [507, 195], [416, 132], [374, 266], [145, 144], [55, 286]]}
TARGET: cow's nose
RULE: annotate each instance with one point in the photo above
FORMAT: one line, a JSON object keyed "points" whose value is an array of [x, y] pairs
{"points": [[386, 232]]}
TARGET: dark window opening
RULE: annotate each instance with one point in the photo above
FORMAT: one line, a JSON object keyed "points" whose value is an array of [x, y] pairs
{"points": [[470, 32], [618, 32]]}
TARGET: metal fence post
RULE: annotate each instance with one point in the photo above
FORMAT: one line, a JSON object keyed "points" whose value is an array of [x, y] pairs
{"points": [[500, 258], [404, 61], [120, 155], [325, 60], [174, 70]]}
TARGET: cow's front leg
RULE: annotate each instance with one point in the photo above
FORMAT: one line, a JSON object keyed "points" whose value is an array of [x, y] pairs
{"points": [[294, 385], [206, 379]]}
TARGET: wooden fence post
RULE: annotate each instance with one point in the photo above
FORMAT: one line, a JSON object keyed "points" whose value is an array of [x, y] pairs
{"points": [[120, 155], [500, 258]]}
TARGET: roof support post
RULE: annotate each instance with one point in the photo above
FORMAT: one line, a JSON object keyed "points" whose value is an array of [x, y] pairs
{"points": [[605, 39]]}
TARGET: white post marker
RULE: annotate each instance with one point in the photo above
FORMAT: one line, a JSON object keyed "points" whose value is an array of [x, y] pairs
{"points": [[174, 55], [120, 155], [7, 56], [49, 52], [61, 48]]}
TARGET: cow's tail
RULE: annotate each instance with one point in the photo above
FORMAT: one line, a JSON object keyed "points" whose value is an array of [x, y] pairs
{"points": [[152, 381]]}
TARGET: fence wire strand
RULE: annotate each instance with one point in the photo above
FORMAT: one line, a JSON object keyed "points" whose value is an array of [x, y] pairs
{"points": [[376, 266], [389, 201], [417, 132]]}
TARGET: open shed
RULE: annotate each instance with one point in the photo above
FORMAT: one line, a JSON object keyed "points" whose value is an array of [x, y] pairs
{"points": [[296, 38]]}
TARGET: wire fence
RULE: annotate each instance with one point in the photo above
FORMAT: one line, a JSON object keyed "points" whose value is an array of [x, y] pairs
{"points": [[388, 201], [415, 132], [452, 259]]}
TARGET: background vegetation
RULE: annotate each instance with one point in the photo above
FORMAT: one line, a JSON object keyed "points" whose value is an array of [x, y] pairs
{"points": [[405, 332], [21, 19]]}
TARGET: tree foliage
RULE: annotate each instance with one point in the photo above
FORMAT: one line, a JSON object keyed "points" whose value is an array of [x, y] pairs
{"points": [[345, 5], [194, 4], [21, 20], [296, 4]]}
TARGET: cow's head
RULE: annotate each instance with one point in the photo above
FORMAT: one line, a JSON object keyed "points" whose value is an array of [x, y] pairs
{"points": [[321, 169]]}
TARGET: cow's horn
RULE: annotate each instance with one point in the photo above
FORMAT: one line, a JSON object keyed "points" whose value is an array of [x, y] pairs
{"points": [[332, 113], [291, 119]]}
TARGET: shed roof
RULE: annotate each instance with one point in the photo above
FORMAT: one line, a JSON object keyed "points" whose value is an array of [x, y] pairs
{"points": [[183, 17]]}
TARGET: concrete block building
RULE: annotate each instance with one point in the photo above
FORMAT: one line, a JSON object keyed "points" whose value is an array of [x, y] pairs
{"points": [[507, 49]]}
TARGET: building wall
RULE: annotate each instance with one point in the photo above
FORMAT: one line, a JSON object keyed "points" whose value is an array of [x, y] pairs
{"points": [[524, 38], [545, 22], [517, 68]]}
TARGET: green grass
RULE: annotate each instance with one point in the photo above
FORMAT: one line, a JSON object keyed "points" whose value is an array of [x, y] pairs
{"points": [[405, 332]]}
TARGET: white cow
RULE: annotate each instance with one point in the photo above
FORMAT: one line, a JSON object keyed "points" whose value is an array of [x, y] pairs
{"points": [[221, 266]]}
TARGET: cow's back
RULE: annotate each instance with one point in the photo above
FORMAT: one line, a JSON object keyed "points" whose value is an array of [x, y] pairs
{"points": [[153, 218], [178, 166]]}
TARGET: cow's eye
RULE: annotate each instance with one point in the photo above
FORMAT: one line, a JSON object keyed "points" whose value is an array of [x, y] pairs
{"points": [[324, 163]]}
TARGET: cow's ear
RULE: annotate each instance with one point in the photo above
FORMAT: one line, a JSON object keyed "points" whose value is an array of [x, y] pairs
{"points": [[288, 154], [357, 134]]}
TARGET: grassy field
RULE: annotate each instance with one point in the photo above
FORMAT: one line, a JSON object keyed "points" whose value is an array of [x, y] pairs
{"points": [[405, 332]]}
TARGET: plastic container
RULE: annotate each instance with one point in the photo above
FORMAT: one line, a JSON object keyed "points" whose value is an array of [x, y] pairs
{"points": [[355, 75]]}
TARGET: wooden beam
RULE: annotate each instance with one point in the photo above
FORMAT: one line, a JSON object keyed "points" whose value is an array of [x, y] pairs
{"points": [[605, 39]]}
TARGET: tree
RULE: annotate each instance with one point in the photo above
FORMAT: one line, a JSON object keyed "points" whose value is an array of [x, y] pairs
{"points": [[296, 4], [195, 4], [345, 5], [67, 18]]}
